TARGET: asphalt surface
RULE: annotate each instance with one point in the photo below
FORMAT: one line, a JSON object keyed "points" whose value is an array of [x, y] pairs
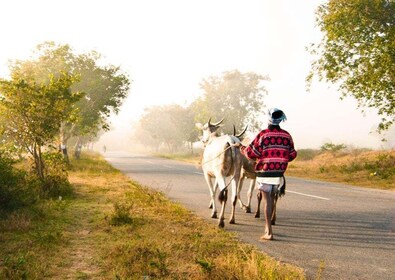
{"points": [[345, 232]]}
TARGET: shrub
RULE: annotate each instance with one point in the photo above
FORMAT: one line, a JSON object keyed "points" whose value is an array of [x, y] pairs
{"points": [[121, 215], [56, 181], [14, 188]]}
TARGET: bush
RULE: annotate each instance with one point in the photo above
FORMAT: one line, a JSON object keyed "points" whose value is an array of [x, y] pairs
{"points": [[14, 187], [56, 181], [121, 215], [383, 166]]}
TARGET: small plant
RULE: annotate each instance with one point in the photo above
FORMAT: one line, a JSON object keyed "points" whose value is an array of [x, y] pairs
{"points": [[121, 215], [14, 188], [206, 266]]}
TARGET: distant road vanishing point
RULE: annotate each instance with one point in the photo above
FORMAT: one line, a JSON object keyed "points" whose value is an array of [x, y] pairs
{"points": [[349, 232]]}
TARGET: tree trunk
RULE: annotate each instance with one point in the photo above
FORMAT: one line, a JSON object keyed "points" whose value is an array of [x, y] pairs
{"points": [[77, 148], [63, 141], [38, 161]]}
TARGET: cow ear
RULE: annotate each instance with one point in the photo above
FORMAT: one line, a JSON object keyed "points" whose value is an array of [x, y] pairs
{"points": [[199, 125]]}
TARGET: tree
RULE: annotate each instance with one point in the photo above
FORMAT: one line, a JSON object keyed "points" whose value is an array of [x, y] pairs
{"points": [[235, 96], [32, 112], [358, 52], [171, 125], [105, 87]]}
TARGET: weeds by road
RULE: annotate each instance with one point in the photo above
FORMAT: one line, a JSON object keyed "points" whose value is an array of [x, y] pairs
{"points": [[112, 228]]}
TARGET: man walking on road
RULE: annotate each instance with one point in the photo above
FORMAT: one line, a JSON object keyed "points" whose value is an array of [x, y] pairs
{"points": [[271, 150]]}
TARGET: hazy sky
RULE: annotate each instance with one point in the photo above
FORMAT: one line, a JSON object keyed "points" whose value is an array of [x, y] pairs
{"points": [[168, 47]]}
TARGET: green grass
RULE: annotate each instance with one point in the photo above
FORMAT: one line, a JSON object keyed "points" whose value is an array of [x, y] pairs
{"points": [[113, 228]]}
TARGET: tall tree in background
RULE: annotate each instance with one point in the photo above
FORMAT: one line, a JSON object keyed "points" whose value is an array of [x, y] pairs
{"points": [[105, 87], [358, 52], [237, 97], [171, 125]]}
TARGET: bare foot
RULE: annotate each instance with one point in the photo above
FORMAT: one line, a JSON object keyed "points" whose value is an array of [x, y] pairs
{"points": [[266, 237]]}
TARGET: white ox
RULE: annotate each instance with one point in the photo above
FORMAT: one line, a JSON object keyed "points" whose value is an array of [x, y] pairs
{"points": [[221, 159]]}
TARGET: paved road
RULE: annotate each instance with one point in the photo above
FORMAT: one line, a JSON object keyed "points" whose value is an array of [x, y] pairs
{"points": [[347, 230]]}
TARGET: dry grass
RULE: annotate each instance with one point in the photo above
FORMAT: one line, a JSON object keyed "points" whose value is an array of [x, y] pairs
{"points": [[116, 229], [373, 169]]}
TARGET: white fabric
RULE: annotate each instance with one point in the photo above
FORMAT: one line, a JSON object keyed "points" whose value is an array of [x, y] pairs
{"points": [[268, 184], [270, 180]]}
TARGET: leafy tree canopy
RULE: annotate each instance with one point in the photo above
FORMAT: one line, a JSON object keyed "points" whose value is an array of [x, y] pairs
{"points": [[105, 87], [237, 97], [358, 52], [171, 125], [32, 112]]}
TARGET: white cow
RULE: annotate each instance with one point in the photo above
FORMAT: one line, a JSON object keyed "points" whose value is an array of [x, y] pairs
{"points": [[220, 160]]}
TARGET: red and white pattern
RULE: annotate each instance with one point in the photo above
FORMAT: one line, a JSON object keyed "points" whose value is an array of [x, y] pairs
{"points": [[272, 149]]}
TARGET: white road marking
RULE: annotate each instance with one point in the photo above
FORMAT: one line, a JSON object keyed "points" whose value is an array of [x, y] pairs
{"points": [[198, 173], [309, 195], [168, 166]]}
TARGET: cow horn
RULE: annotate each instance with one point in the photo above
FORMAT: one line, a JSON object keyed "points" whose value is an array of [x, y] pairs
{"points": [[218, 123], [234, 130], [240, 134], [209, 122]]}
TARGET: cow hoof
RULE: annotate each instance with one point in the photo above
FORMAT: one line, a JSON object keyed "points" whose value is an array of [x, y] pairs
{"points": [[248, 209], [273, 223], [214, 215], [232, 221], [210, 206], [257, 215], [221, 223]]}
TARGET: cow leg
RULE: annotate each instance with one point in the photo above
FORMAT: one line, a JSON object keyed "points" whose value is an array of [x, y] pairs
{"points": [[242, 206], [269, 201], [223, 197], [212, 190], [258, 210], [249, 195], [234, 199]]}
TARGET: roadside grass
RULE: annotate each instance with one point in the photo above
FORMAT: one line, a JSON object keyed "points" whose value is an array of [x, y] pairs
{"points": [[359, 167], [113, 228], [373, 169]]}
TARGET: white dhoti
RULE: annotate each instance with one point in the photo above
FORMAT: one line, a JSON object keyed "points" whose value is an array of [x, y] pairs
{"points": [[269, 184]]}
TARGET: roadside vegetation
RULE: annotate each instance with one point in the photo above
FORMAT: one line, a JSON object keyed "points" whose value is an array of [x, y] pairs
{"points": [[334, 163], [373, 169], [112, 228]]}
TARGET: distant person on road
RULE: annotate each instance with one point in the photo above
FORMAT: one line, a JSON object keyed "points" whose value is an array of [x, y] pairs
{"points": [[271, 150], [104, 148]]}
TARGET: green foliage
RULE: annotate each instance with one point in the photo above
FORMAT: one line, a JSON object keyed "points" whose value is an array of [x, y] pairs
{"points": [[333, 147], [15, 267], [121, 215], [358, 52], [32, 112], [105, 87], [56, 183], [14, 189], [382, 167], [237, 97]]}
